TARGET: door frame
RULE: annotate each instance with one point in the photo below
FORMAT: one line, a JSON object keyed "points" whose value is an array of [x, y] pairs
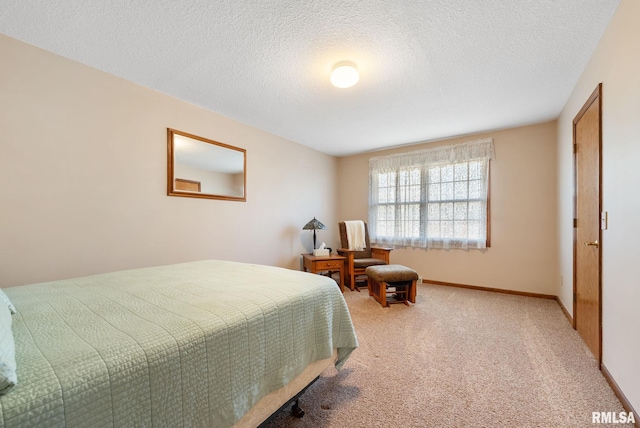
{"points": [[596, 95]]}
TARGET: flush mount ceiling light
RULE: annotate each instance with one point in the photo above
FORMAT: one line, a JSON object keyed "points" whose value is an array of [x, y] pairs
{"points": [[344, 75]]}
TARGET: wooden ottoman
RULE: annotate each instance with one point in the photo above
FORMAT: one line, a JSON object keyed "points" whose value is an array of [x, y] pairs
{"points": [[394, 279]]}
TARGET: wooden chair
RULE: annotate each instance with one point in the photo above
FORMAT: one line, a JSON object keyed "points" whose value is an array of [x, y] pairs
{"points": [[357, 261]]}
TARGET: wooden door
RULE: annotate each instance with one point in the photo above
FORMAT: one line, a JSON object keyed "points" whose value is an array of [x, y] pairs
{"points": [[587, 134]]}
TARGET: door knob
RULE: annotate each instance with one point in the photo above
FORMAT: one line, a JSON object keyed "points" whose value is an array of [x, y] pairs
{"points": [[594, 244]]}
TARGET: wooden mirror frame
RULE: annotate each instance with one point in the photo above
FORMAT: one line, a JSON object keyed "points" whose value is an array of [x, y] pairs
{"points": [[190, 187]]}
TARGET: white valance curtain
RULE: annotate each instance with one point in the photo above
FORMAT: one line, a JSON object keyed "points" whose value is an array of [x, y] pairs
{"points": [[433, 198], [463, 152]]}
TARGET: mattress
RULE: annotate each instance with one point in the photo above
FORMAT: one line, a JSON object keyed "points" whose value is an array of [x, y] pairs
{"points": [[192, 344]]}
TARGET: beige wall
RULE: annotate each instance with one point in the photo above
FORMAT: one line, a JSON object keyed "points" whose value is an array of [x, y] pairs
{"points": [[83, 165], [523, 254], [616, 64]]}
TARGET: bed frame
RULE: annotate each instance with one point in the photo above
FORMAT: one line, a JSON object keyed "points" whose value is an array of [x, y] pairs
{"points": [[271, 405]]}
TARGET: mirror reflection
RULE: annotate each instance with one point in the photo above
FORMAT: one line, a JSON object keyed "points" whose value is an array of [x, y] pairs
{"points": [[203, 168]]}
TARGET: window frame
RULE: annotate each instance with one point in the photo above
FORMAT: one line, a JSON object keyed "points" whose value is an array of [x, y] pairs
{"points": [[422, 239]]}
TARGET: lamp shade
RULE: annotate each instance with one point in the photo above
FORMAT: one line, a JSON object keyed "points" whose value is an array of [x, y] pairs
{"points": [[314, 225]]}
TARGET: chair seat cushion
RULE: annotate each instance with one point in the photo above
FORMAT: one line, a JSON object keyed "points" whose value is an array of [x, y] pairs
{"points": [[391, 273], [363, 263]]}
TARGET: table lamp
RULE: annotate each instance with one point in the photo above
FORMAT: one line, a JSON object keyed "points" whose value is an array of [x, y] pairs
{"points": [[314, 225]]}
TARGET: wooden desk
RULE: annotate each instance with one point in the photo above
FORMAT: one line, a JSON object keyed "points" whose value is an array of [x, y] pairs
{"points": [[315, 264]]}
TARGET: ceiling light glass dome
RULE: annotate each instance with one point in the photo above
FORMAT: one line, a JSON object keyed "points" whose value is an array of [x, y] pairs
{"points": [[344, 75]]}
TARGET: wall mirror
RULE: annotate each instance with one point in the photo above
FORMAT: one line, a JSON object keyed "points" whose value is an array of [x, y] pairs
{"points": [[203, 168]]}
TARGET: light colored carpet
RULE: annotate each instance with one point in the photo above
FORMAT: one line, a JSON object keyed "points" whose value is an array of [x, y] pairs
{"points": [[459, 358]]}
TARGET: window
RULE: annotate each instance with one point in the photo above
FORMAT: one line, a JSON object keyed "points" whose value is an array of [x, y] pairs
{"points": [[435, 198]]}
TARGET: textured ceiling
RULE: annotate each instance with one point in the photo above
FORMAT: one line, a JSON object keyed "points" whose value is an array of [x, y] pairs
{"points": [[429, 69]]}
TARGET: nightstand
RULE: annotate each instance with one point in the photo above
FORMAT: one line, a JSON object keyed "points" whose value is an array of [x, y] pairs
{"points": [[315, 264]]}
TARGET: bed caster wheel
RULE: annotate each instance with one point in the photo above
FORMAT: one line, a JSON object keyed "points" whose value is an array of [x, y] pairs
{"points": [[296, 410]]}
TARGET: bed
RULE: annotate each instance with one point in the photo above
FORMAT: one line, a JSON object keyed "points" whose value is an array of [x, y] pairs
{"points": [[210, 343]]}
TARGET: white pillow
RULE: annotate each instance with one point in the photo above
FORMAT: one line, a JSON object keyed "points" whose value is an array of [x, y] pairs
{"points": [[5, 298], [8, 377]]}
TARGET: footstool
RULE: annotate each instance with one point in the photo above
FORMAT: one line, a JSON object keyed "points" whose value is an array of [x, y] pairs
{"points": [[401, 278]]}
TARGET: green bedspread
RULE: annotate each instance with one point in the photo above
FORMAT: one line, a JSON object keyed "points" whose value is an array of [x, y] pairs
{"points": [[192, 344]]}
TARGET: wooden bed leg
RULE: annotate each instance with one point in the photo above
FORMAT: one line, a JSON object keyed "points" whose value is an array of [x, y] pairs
{"points": [[296, 410]]}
